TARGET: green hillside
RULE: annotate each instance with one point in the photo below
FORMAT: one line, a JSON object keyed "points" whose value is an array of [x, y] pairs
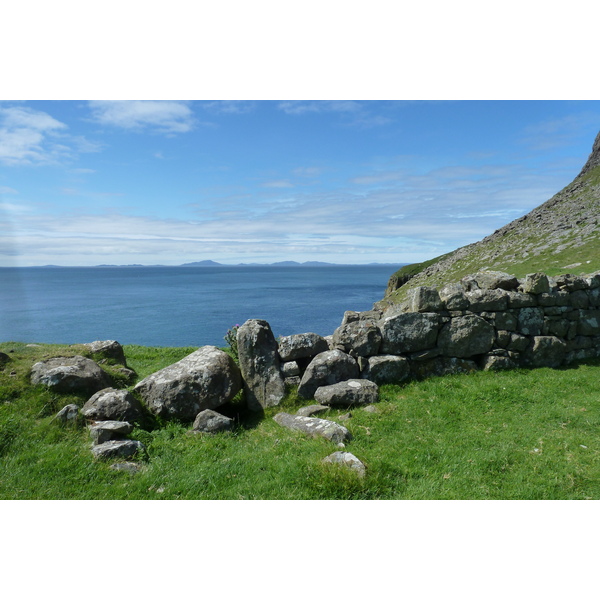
{"points": [[560, 236]]}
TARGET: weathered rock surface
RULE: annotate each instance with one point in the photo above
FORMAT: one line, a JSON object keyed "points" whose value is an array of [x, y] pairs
{"points": [[104, 431], [119, 449], [301, 345], [409, 332], [107, 349], [206, 378], [75, 374], [348, 393], [69, 414], [327, 368], [209, 421], [260, 365], [466, 336], [314, 427], [313, 409], [546, 351], [358, 338], [386, 368], [110, 404], [348, 460]]}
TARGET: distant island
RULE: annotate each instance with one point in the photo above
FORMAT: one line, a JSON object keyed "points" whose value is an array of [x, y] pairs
{"points": [[212, 263]]}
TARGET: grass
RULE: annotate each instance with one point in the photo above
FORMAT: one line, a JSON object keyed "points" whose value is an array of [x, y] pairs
{"points": [[509, 435]]}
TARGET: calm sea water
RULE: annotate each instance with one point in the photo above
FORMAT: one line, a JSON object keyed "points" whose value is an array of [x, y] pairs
{"points": [[179, 306]]}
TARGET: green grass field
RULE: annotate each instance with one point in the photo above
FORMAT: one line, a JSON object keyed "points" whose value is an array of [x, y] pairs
{"points": [[510, 435]]}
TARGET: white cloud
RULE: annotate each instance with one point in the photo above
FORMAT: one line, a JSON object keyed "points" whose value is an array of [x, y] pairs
{"points": [[7, 190], [32, 137], [236, 107], [163, 116], [26, 137]]}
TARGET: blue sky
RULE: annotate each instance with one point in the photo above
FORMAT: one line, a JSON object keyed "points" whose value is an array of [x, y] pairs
{"points": [[169, 182]]}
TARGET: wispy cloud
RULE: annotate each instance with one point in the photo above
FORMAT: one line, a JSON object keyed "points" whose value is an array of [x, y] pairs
{"points": [[232, 107], [33, 137], [28, 136], [136, 115], [278, 183], [7, 190], [554, 133], [351, 112]]}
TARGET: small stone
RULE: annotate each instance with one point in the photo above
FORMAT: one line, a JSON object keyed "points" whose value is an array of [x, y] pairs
{"points": [[68, 414], [347, 460], [104, 431], [313, 409], [209, 421], [127, 467], [314, 427], [119, 449]]}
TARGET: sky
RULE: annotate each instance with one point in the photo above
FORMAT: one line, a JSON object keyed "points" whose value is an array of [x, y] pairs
{"points": [[343, 181]]}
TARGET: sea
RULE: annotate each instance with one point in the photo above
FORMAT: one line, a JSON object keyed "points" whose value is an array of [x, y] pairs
{"points": [[179, 306]]}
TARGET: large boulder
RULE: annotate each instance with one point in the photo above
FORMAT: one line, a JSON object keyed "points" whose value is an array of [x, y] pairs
{"points": [[74, 374], [314, 427], [466, 336], [112, 405], [301, 345], [348, 393], [409, 332], [327, 368], [358, 338], [206, 378], [546, 351], [386, 368], [264, 383]]}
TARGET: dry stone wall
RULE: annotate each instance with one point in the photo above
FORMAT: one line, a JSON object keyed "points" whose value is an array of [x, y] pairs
{"points": [[488, 321]]}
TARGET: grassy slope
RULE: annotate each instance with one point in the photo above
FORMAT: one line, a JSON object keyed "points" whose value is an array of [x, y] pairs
{"points": [[560, 236], [522, 434]]}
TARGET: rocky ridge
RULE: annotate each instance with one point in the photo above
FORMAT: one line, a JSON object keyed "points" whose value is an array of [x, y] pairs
{"points": [[561, 235]]}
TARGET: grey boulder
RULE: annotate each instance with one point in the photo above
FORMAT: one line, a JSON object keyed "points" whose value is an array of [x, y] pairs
{"points": [[327, 368], [348, 393], [206, 378], [110, 404], [301, 345], [209, 421], [119, 449], [347, 460], [466, 336], [386, 368], [74, 374], [314, 427], [104, 431], [260, 365]]}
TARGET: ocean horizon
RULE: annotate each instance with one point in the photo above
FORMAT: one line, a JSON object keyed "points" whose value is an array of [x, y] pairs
{"points": [[177, 306]]}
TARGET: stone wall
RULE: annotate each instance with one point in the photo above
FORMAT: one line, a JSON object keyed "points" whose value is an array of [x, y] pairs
{"points": [[488, 321]]}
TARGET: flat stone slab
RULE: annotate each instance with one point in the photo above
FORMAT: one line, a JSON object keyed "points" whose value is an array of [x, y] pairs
{"points": [[314, 427], [119, 449], [348, 393], [348, 460]]}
